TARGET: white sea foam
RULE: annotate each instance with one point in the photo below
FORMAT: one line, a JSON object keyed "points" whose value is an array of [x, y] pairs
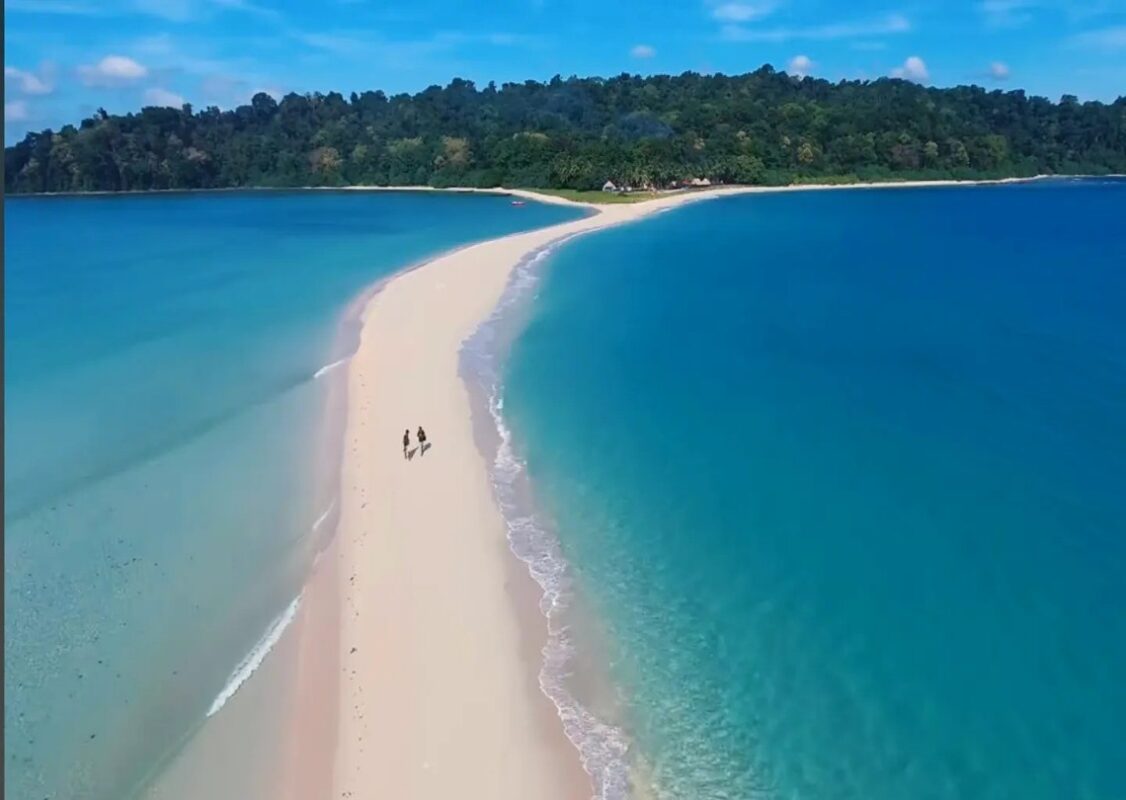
{"points": [[324, 515], [602, 747], [327, 368], [256, 656]]}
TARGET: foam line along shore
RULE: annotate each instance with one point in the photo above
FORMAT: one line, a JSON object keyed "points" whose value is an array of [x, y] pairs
{"points": [[437, 696]]}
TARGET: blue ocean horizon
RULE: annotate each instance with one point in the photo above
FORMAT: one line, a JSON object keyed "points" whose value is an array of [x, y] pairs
{"points": [[169, 377], [839, 477]]}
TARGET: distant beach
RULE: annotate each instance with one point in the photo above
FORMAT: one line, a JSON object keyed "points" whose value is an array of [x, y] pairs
{"points": [[547, 197], [533, 194]]}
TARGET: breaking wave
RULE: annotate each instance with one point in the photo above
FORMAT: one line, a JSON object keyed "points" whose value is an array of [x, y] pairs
{"points": [[256, 656]]}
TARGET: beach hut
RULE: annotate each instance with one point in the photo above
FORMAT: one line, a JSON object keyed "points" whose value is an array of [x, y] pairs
{"points": [[609, 187]]}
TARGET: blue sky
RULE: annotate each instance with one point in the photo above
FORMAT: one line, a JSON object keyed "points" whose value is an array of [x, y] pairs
{"points": [[65, 58]]}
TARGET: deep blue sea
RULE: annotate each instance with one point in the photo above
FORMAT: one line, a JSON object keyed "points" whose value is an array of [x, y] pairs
{"points": [[840, 478], [166, 468]]}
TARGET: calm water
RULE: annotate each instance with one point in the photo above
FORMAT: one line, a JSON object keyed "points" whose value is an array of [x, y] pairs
{"points": [[162, 423], [843, 476]]}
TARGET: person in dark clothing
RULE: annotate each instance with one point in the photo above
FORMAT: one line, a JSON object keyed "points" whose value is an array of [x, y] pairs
{"points": [[421, 441], [406, 442]]}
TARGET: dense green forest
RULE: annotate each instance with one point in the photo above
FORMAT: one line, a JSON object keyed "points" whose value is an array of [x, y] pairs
{"points": [[763, 127]]}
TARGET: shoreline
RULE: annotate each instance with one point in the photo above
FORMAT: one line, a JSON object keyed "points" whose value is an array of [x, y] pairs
{"points": [[544, 197], [432, 591], [436, 697], [317, 637], [552, 616]]}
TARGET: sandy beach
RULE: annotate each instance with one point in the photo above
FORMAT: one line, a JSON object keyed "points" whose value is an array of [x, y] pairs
{"points": [[437, 653], [437, 692], [412, 666]]}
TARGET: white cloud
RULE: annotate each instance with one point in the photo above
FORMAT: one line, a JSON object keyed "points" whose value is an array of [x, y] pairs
{"points": [[156, 96], [999, 71], [742, 12], [913, 69], [893, 23], [15, 111], [800, 66], [1113, 38], [27, 82], [112, 71], [642, 51]]}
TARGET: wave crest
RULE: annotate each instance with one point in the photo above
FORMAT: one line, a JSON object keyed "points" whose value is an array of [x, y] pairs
{"points": [[329, 367], [255, 657]]}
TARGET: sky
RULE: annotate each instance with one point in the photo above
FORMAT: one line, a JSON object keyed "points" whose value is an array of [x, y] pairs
{"points": [[63, 59]]}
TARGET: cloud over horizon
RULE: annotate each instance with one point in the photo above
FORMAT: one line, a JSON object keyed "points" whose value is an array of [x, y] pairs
{"points": [[800, 66], [28, 82], [112, 71], [913, 69]]}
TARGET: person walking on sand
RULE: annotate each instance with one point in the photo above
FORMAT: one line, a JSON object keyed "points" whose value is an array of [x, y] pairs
{"points": [[406, 442], [421, 441]]}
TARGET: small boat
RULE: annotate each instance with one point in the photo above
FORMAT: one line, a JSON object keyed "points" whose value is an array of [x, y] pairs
{"points": [[517, 202]]}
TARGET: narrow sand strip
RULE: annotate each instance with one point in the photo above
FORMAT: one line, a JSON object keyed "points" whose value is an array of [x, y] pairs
{"points": [[437, 698]]}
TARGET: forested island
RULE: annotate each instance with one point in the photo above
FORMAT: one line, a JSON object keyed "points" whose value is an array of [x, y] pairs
{"points": [[765, 127]]}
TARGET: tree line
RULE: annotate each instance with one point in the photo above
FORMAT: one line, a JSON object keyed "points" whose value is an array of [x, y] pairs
{"points": [[764, 127]]}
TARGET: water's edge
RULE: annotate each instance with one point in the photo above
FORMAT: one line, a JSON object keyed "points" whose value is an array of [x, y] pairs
{"points": [[602, 747], [325, 486]]}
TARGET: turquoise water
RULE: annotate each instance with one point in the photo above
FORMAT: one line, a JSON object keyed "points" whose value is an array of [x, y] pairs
{"points": [[168, 447], [842, 477]]}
